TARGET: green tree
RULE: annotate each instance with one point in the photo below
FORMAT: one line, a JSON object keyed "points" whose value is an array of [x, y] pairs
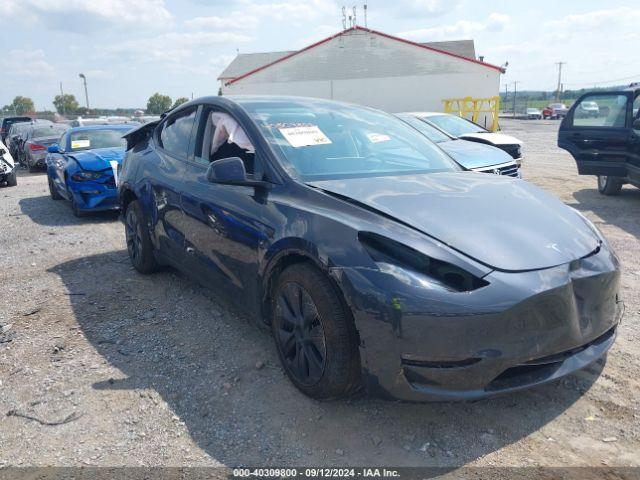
{"points": [[158, 104], [179, 101], [66, 103], [21, 105]]}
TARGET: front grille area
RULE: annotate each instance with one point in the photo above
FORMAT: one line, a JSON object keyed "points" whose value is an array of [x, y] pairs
{"points": [[513, 150], [510, 170], [540, 368]]}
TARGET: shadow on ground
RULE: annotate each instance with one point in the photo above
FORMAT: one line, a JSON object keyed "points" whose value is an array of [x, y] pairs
{"points": [[54, 213], [167, 333], [620, 210]]}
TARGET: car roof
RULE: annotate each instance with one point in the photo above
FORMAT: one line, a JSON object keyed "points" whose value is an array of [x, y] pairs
{"points": [[23, 118], [244, 99], [106, 126], [53, 126], [424, 114]]}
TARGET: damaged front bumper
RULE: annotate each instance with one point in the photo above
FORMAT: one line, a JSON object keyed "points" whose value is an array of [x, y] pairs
{"points": [[98, 195], [419, 342]]}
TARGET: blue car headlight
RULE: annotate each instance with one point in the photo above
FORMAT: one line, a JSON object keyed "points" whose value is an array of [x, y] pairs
{"points": [[85, 176]]}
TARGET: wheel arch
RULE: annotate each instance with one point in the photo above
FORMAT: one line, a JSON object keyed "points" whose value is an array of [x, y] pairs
{"points": [[126, 196], [285, 253]]}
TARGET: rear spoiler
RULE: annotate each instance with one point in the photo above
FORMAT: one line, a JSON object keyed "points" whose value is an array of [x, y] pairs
{"points": [[139, 134]]}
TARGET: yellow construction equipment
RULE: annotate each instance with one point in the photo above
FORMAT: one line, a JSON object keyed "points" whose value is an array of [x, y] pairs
{"points": [[470, 108]]}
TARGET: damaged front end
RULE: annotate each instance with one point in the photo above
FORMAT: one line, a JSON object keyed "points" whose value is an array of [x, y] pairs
{"points": [[424, 340]]}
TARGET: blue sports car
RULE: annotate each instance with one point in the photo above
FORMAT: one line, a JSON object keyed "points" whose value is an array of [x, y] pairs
{"points": [[82, 167]]}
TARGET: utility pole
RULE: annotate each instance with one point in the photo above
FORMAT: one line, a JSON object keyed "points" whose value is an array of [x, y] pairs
{"points": [[62, 99], [86, 92], [559, 79], [515, 91], [506, 93]]}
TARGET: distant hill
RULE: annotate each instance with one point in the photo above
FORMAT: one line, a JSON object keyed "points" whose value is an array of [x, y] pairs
{"points": [[566, 96]]}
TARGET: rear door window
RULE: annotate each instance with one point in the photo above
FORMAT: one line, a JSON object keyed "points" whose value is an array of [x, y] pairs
{"points": [[176, 133], [601, 110]]}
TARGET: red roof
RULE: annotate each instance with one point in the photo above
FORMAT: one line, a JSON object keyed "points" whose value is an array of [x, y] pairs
{"points": [[386, 35]]}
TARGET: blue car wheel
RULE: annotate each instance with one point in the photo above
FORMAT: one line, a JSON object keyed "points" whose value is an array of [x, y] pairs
{"points": [[55, 195]]}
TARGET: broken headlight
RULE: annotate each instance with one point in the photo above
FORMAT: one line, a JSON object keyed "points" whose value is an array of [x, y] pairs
{"points": [[85, 176], [383, 250]]}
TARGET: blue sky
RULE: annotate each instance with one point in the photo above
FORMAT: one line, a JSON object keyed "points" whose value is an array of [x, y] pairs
{"points": [[130, 49]]}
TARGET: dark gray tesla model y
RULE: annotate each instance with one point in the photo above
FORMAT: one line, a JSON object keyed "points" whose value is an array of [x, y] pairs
{"points": [[375, 259]]}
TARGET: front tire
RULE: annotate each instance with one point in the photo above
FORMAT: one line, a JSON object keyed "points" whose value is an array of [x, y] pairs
{"points": [[608, 185], [314, 334], [138, 239], [75, 209], [11, 179], [55, 195]]}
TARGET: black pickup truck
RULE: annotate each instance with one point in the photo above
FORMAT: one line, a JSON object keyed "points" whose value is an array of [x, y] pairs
{"points": [[606, 142]]}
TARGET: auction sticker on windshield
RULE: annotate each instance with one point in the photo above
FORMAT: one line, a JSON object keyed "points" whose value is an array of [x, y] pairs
{"points": [[80, 144], [304, 136], [378, 137]]}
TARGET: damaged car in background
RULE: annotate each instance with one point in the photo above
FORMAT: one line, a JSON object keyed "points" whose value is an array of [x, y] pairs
{"points": [[458, 127], [7, 167], [474, 156], [83, 165], [376, 260]]}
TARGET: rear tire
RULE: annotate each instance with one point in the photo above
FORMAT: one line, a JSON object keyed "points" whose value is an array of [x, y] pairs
{"points": [[52, 189], [314, 334], [608, 185], [138, 239], [11, 179]]}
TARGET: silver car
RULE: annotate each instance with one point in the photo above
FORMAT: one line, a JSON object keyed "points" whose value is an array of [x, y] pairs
{"points": [[38, 137]]}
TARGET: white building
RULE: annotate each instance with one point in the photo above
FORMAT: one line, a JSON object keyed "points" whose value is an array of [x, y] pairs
{"points": [[364, 66]]}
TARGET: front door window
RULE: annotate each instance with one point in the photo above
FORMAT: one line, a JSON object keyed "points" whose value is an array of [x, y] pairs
{"points": [[601, 110]]}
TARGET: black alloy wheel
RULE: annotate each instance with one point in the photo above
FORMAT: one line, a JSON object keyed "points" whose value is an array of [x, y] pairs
{"points": [[315, 333], [133, 235], [300, 334], [138, 240]]}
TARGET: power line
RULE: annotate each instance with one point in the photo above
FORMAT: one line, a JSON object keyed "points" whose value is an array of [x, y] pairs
{"points": [[605, 81]]}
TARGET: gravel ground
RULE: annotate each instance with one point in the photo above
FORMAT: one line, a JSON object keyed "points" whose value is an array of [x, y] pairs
{"points": [[102, 366]]}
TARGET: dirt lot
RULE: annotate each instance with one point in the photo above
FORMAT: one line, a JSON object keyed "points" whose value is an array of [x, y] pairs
{"points": [[155, 370]]}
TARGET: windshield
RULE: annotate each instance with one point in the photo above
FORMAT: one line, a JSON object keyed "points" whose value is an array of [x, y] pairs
{"points": [[429, 131], [90, 139], [49, 131], [319, 140], [453, 125]]}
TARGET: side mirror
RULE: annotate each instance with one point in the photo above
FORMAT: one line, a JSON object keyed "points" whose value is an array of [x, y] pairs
{"points": [[53, 148], [2, 151], [231, 171], [636, 124]]}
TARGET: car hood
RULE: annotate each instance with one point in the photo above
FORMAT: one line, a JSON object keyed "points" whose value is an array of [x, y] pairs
{"points": [[504, 223], [493, 138], [98, 159], [474, 154]]}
